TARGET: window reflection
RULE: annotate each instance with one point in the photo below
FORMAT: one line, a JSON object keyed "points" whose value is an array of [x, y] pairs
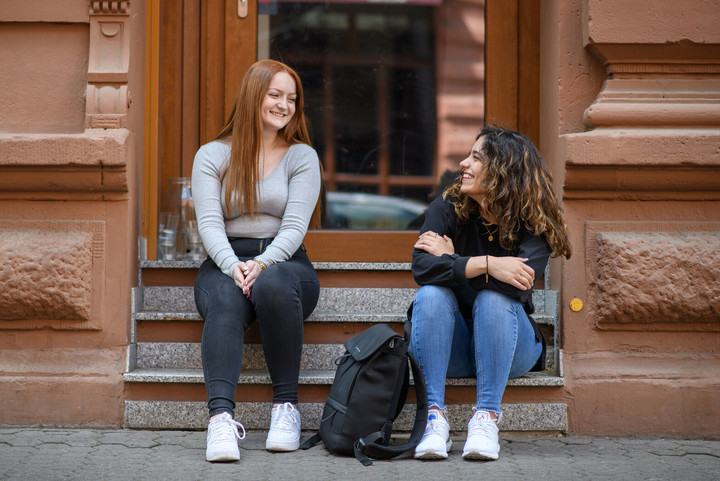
{"points": [[369, 82]]}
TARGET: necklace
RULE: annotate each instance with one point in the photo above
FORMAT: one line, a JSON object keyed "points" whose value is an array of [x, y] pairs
{"points": [[490, 229], [489, 232]]}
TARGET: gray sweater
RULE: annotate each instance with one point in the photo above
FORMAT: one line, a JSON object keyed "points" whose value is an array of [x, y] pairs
{"points": [[287, 200]]}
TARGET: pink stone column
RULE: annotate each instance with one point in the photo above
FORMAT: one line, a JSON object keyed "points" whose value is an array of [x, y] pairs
{"points": [[631, 90], [70, 157]]}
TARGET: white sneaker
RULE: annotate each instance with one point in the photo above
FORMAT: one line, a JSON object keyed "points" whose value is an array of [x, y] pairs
{"points": [[482, 440], [222, 438], [436, 441], [284, 434]]}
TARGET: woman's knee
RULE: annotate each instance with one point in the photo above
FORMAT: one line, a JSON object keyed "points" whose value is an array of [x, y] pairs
{"points": [[277, 282], [433, 303], [494, 302], [435, 295], [283, 290], [218, 294]]}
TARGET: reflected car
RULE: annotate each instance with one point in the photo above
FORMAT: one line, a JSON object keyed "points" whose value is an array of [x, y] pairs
{"points": [[359, 211]]}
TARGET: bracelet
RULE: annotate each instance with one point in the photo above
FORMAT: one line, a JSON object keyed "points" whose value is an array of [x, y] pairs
{"points": [[261, 264], [487, 266]]}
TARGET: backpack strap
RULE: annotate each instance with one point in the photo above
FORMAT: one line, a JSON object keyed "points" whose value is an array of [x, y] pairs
{"points": [[310, 442], [371, 445]]}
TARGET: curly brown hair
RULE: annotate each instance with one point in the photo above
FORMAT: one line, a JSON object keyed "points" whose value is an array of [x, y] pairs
{"points": [[517, 188]]}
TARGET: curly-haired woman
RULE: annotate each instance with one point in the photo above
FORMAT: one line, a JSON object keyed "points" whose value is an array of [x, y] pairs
{"points": [[479, 251]]}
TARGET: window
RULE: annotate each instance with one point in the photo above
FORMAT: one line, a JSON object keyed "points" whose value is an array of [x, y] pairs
{"points": [[368, 73]]}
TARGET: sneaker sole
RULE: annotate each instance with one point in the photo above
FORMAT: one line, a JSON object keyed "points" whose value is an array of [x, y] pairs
{"points": [[478, 456], [282, 447], [430, 454], [223, 457]]}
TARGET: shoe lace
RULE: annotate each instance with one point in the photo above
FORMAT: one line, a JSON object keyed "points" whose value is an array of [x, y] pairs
{"points": [[285, 419], [433, 426], [226, 429], [483, 427]]}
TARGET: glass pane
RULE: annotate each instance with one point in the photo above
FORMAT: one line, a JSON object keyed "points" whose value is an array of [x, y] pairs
{"points": [[368, 72]]}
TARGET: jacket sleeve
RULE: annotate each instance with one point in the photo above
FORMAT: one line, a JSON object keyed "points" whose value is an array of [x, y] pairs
{"points": [[445, 270], [536, 250]]}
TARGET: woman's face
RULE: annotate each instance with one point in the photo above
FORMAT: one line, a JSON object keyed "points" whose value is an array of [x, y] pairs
{"points": [[473, 172], [278, 106]]}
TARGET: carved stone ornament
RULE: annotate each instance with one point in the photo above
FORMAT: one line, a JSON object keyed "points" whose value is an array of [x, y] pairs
{"points": [[121, 7]]}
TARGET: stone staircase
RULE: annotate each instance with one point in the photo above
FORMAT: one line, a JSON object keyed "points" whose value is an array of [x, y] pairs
{"points": [[164, 381]]}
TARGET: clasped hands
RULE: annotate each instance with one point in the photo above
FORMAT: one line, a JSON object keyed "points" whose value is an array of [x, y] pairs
{"points": [[245, 274], [508, 269]]}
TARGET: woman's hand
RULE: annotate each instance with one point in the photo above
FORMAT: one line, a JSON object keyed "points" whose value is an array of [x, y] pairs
{"points": [[245, 275], [432, 243], [511, 270]]}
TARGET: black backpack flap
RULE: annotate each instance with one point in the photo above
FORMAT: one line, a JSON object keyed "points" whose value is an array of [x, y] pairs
{"points": [[365, 379], [363, 345], [374, 446], [376, 392]]}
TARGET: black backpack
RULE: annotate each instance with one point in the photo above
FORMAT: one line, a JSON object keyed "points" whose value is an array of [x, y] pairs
{"points": [[367, 394]]}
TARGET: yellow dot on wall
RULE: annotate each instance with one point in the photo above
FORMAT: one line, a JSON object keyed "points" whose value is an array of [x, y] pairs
{"points": [[576, 305]]}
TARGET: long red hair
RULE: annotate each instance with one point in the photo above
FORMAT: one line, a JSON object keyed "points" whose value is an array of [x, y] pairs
{"points": [[244, 132]]}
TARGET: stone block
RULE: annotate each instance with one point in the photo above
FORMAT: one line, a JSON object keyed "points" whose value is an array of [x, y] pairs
{"points": [[51, 274], [660, 279]]}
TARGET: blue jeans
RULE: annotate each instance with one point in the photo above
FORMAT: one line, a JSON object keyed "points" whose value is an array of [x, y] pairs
{"points": [[283, 296], [499, 345]]}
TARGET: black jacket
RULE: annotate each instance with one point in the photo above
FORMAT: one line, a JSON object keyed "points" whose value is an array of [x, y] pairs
{"points": [[471, 239]]}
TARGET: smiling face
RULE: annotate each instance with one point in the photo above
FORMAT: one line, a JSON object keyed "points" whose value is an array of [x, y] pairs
{"points": [[278, 105], [473, 172]]}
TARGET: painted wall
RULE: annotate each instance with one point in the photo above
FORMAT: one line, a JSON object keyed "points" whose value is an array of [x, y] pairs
{"points": [[631, 123], [71, 128]]}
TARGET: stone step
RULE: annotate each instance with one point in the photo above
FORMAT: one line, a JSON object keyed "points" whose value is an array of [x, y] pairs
{"points": [[179, 355], [336, 304], [165, 378], [517, 417]]}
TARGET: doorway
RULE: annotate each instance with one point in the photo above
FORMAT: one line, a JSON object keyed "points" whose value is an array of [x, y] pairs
{"points": [[394, 92]]}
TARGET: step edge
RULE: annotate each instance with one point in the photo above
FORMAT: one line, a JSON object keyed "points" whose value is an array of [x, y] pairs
{"points": [[321, 265], [323, 317], [320, 377]]}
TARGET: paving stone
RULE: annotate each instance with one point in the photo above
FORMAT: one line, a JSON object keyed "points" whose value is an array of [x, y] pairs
{"points": [[129, 455]]}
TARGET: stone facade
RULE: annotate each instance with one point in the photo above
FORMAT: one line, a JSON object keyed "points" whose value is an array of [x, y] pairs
{"points": [[70, 157], [630, 91]]}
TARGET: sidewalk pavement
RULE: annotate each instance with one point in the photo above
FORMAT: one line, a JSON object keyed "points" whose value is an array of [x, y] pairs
{"points": [[90, 454]]}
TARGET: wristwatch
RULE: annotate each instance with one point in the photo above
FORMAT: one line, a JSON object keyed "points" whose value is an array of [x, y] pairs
{"points": [[261, 264]]}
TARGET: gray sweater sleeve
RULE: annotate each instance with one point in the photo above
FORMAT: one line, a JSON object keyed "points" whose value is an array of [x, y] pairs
{"points": [[210, 163]]}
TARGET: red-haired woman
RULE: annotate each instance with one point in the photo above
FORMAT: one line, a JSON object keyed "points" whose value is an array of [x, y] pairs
{"points": [[256, 190], [480, 249]]}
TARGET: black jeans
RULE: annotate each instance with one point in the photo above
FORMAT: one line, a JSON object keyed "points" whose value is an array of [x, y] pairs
{"points": [[283, 296]]}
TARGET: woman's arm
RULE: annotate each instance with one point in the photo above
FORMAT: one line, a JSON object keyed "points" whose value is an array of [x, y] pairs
{"points": [[303, 192], [533, 253], [432, 262], [209, 165]]}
